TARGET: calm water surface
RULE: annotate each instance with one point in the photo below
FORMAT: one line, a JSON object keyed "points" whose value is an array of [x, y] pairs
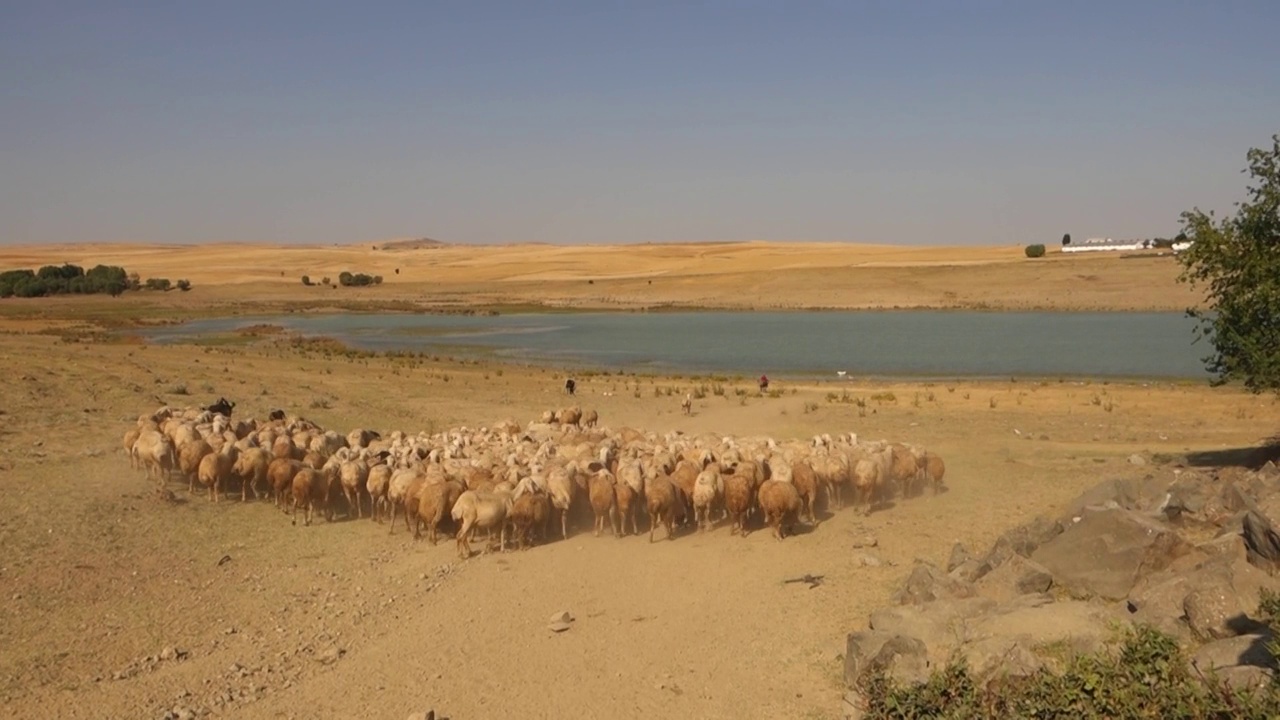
{"points": [[907, 342]]}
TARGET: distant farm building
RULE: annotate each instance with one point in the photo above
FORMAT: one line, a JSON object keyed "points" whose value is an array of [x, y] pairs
{"points": [[1102, 244]]}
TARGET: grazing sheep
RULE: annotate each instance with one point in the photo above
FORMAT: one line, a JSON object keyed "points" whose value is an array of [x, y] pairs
{"points": [[222, 407], [866, 482], [590, 418], [738, 494], [600, 491], [189, 456], [934, 469], [687, 404], [570, 416], [481, 510], [435, 501], [530, 511], [563, 487], [780, 502], [309, 487], [353, 476], [403, 484], [251, 467], [360, 438], [806, 483], [377, 485], [156, 453], [666, 504], [215, 469], [280, 474], [130, 438], [707, 488]]}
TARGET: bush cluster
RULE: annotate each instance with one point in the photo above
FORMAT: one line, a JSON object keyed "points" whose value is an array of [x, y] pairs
{"points": [[1035, 251], [1147, 676], [347, 279], [64, 279]]}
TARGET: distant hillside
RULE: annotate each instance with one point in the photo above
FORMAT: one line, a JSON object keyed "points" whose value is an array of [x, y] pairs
{"points": [[418, 244]]}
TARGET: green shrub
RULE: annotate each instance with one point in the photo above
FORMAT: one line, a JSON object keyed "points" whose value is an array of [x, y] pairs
{"points": [[184, 285], [157, 284], [1035, 251], [57, 280], [306, 280], [1147, 676]]}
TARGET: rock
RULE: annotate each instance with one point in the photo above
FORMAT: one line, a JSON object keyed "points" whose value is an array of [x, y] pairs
{"points": [[560, 622], [1157, 600], [867, 559], [1023, 540], [1136, 459], [1036, 620], [1261, 541], [1001, 657], [865, 541], [1017, 576], [1103, 553], [168, 653], [939, 624], [959, 555], [330, 655], [903, 658], [1232, 547], [1125, 493], [1229, 652], [1247, 677], [1210, 612], [428, 715], [927, 583]]}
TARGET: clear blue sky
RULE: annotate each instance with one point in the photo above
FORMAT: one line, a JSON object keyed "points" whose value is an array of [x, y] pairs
{"points": [[890, 121]]}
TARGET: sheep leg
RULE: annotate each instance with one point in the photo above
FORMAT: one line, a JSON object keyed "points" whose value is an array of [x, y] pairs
{"points": [[564, 523], [502, 538], [653, 524], [392, 528], [613, 521]]}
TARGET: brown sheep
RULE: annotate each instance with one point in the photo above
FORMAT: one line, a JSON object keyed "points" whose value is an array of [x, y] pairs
{"points": [[684, 477], [405, 495], [806, 483], [189, 456], [481, 510], [216, 468], [379, 479], [354, 477], [570, 416], [866, 482], [251, 467], [902, 471], [530, 511], [156, 453], [781, 505], [738, 494], [130, 438], [280, 474], [590, 418], [309, 488], [934, 470], [283, 447], [600, 491], [666, 504], [435, 501], [627, 500]]}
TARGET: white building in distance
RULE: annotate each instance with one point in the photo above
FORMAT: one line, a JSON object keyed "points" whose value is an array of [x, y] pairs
{"points": [[1103, 244]]}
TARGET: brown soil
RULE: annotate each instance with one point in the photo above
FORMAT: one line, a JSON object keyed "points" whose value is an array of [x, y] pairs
{"points": [[343, 620]]}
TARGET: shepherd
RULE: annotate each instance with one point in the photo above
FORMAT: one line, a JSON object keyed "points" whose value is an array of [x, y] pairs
{"points": [[764, 383], [570, 386]]}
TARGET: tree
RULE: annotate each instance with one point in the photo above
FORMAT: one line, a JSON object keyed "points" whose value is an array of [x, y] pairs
{"points": [[184, 285], [1237, 259], [1034, 251], [306, 279], [1066, 239]]}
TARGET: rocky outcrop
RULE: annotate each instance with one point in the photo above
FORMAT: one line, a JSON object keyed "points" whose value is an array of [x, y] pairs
{"points": [[1190, 555]]}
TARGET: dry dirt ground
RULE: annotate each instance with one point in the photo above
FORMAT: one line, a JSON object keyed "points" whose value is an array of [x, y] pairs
{"points": [[118, 603], [754, 275]]}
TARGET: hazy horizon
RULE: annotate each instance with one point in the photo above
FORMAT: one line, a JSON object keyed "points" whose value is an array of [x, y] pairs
{"points": [[983, 122]]}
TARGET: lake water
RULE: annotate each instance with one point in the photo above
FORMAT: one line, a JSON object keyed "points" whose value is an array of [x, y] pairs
{"points": [[880, 343]]}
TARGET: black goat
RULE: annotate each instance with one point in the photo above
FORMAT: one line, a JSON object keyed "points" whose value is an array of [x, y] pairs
{"points": [[223, 406]]}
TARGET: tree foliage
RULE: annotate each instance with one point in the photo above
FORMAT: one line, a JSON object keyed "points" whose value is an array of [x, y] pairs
{"points": [[63, 279], [1237, 261], [1034, 251]]}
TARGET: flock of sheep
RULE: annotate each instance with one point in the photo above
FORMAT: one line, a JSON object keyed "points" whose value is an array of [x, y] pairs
{"points": [[523, 481]]}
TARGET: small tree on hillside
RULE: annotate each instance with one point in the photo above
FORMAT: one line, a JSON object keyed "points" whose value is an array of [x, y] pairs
{"points": [[1034, 251], [1066, 239], [1237, 260]]}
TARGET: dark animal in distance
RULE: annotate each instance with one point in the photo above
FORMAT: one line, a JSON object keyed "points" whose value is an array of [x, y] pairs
{"points": [[222, 407], [276, 415], [570, 386]]}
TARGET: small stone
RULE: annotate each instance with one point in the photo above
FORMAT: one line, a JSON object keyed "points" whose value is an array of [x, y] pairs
{"points": [[1137, 459], [330, 655], [865, 541], [560, 621]]}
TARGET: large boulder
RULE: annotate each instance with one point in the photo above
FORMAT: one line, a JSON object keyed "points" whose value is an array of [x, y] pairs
{"points": [[1021, 541], [1261, 540], [1016, 576], [903, 658], [1243, 661], [1037, 621], [940, 625], [1129, 493], [1105, 551], [927, 583]]}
